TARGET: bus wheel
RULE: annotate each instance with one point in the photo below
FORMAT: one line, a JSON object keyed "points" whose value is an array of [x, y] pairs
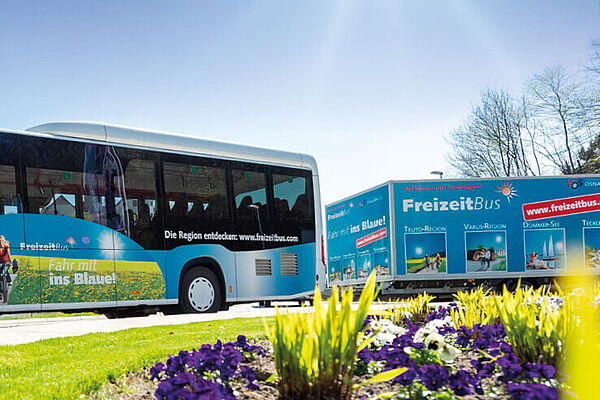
{"points": [[201, 292]]}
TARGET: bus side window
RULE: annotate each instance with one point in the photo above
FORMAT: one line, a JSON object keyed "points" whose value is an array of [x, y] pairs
{"points": [[289, 192], [293, 204], [54, 170], [250, 194], [197, 197], [10, 202]]}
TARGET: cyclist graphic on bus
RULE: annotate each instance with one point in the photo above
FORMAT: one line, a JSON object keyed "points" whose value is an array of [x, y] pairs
{"points": [[5, 264]]}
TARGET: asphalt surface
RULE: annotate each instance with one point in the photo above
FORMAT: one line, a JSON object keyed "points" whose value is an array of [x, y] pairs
{"points": [[18, 331]]}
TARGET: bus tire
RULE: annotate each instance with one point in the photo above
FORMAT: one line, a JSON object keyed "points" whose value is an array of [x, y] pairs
{"points": [[200, 291]]}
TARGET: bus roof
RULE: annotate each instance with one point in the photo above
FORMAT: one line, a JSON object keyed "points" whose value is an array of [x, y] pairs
{"points": [[159, 140]]}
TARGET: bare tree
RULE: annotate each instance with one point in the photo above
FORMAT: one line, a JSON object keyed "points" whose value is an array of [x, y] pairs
{"points": [[493, 141], [593, 114], [560, 107]]}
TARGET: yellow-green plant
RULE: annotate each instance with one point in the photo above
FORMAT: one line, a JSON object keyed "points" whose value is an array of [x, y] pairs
{"points": [[416, 306], [315, 352], [583, 342], [476, 307], [471, 298], [536, 332]]}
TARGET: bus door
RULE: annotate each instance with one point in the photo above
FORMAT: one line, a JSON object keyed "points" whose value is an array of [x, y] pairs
{"points": [[139, 246]]}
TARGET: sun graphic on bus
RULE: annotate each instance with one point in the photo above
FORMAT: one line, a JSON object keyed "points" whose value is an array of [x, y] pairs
{"points": [[507, 190]]}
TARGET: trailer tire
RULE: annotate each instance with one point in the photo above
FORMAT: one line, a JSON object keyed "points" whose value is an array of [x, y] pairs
{"points": [[513, 283], [200, 291]]}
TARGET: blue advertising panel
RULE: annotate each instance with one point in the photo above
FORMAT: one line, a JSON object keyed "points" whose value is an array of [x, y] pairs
{"points": [[358, 236], [496, 226]]}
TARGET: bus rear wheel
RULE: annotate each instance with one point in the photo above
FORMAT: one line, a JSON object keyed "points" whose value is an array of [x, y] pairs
{"points": [[201, 291]]}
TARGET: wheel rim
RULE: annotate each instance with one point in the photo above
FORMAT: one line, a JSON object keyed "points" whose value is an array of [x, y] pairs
{"points": [[201, 294]]}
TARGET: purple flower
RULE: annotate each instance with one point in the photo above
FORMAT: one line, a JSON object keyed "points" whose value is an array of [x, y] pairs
{"points": [[445, 330], [241, 341], [476, 383], [365, 355], [531, 371], [438, 313], [184, 371], [534, 371], [531, 391], [482, 342], [184, 394], [183, 378], [174, 365], [394, 357], [213, 391], [156, 370], [505, 347], [407, 377], [165, 391], [249, 375], [433, 376], [459, 382], [498, 331], [463, 336], [511, 369], [242, 344], [484, 368], [231, 358], [548, 371], [412, 328]]}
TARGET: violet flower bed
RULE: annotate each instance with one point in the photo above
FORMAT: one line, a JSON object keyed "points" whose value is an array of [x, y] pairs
{"points": [[206, 373], [442, 363]]}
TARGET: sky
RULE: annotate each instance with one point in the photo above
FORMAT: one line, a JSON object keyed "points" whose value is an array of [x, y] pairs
{"points": [[535, 240], [495, 239], [369, 88], [420, 244]]}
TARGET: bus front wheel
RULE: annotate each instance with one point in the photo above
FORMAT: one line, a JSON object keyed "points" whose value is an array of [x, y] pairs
{"points": [[201, 292]]}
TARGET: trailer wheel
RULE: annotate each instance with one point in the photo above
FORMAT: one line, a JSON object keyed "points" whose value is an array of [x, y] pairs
{"points": [[200, 291], [514, 283]]}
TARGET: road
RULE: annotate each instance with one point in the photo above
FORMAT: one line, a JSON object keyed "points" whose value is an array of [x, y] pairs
{"points": [[18, 331]]}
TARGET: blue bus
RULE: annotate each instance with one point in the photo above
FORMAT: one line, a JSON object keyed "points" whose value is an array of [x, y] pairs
{"points": [[125, 221]]}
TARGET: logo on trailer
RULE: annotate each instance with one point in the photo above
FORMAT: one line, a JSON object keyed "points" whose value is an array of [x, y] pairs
{"points": [[507, 190], [574, 183]]}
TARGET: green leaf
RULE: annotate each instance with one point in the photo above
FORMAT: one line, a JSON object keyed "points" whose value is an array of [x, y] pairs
{"points": [[383, 376], [272, 378], [386, 395]]}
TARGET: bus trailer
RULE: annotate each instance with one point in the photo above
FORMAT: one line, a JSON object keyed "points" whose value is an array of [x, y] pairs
{"points": [[440, 235]]}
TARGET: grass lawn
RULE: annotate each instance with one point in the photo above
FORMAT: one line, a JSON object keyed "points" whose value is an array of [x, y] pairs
{"points": [[66, 368], [414, 265], [501, 266]]}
